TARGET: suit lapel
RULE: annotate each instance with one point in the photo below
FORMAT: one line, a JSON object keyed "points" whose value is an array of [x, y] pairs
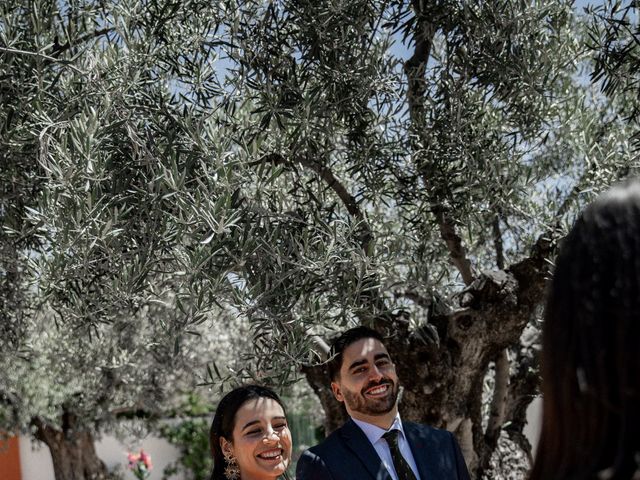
{"points": [[434, 454], [419, 442], [359, 444]]}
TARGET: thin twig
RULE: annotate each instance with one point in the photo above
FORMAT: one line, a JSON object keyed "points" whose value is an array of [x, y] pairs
{"points": [[58, 49], [497, 242], [43, 56], [322, 345]]}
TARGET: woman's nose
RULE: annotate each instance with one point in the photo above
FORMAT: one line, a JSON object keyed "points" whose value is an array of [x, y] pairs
{"points": [[271, 435]]}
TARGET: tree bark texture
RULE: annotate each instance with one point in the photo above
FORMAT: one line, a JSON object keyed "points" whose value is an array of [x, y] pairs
{"points": [[72, 450]]}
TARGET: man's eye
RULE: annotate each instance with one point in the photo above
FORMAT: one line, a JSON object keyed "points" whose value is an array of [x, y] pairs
{"points": [[280, 427], [359, 370], [253, 432]]}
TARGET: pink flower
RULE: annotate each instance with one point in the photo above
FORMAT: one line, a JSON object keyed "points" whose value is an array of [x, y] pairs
{"points": [[146, 459], [139, 464]]}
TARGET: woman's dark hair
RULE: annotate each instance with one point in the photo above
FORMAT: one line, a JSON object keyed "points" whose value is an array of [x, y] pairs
{"points": [[591, 346], [225, 418]]}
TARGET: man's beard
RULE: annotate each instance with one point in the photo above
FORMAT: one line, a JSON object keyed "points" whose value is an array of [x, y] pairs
{"points": [[359, 402]]}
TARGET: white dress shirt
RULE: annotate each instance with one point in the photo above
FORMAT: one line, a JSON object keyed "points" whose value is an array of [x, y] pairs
{"points": [[375, 433]]}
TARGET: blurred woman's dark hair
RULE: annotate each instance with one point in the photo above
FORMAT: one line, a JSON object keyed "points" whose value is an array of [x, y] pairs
{"points": [[591, 346], [225, 418]]}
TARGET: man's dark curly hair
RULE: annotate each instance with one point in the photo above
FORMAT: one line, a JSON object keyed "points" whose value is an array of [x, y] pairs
{"points": [[342, 342]]}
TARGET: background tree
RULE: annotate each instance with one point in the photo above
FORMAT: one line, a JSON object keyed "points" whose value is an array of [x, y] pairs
{"points": [[304, 166], [97, 312], [614, 35]]}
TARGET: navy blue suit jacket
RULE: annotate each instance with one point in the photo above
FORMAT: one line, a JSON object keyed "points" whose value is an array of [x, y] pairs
{"points": [[347, 454]]}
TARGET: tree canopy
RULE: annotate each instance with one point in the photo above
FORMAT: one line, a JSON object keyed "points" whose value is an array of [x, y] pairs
{"points": [[301, 167]]}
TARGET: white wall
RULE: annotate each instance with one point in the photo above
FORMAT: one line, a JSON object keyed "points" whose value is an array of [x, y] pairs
{"points": [[534, 423], [36, 463]]}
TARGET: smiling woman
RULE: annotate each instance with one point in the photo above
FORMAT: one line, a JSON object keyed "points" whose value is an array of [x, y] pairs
{"points": [[250, 437]]}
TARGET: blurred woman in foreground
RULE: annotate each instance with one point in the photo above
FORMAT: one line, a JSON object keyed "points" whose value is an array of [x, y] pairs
{"points": [[591, 347]]}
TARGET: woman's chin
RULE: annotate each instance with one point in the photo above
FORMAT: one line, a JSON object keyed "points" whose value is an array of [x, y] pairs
{"points": [[274, 470], [279, 468]]}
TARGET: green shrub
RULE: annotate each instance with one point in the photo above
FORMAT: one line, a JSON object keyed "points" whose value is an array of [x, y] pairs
{"points": [[190, 434]]}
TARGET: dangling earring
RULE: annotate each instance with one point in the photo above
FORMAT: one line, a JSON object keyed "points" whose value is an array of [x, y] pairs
{"points": [[231, 471]]}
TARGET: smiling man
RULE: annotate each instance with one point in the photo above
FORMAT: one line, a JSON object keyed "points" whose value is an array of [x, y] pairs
{"points": [[375, 443]]}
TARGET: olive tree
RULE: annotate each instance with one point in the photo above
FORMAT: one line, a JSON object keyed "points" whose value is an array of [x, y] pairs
{"points": [[613, 36], [99, 310], [304, 167]]}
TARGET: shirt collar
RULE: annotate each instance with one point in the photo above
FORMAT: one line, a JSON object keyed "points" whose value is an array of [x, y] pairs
{"points": [[374, 433]]}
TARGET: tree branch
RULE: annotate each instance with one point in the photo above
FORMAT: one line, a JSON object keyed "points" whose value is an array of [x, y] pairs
{"points": [[416, 298], [415, 70], [58, 49], [499, 400], [497, 242], [325, 173], [130, 413], [43, 431], [464, 433], [454, 244], [42, 56], [523, 389], [322, 345], [415, 67], [371, 298], [532, 272]]}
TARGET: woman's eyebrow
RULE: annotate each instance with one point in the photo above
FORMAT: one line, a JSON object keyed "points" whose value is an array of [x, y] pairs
{"points": [[252, 422]]}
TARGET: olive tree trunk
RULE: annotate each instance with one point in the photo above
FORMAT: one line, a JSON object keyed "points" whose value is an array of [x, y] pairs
{"points": [[72, 450]]}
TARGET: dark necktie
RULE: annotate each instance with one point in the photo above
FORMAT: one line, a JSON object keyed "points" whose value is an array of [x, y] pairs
{"points": [[399, 463]]}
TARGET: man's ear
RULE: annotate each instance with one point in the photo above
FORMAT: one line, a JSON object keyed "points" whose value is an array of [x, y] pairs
{"points": [[335, 388]]}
